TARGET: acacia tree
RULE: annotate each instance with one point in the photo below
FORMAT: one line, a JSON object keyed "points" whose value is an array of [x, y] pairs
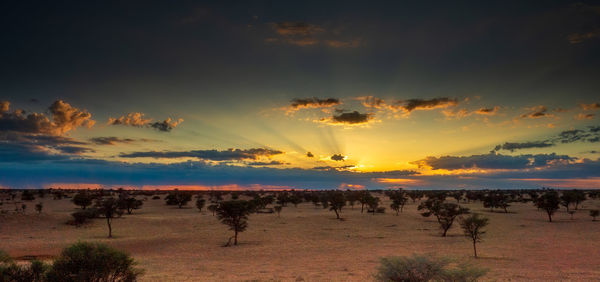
{"points": [[278, 210], [373, 203], [130, 204], [336, 201], [594, 214], [38, 207], [109, 208], [212, 208], [82, 199], [472, 228], [445, 213], [200, 202], [234, 213], [549, 202], [178, 198]]}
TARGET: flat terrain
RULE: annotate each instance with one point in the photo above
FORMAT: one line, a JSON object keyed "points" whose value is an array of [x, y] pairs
{"points": [[308, 244]]}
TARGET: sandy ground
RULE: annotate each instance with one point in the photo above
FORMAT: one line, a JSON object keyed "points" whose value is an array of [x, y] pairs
{"points": [[308, 244]]}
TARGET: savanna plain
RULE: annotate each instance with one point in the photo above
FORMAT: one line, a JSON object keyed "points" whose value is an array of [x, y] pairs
{"points": [[308, 243]]}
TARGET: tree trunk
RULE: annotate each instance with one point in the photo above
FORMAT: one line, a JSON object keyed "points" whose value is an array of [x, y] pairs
{"points": [[235, 237], [549, 217], [362, 208], [337, 215], [109, 227], [474, 249]]}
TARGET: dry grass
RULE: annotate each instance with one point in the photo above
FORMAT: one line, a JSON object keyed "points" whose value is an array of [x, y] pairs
{"points": [[308, 244]]}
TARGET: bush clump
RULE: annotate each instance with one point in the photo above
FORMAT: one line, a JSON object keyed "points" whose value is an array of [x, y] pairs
{"points": [[424, 268], [93, 262]]}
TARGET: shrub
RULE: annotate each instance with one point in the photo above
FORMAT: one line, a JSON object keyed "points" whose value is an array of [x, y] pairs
{"points": [[423, 268], [93, 262], [10, 271], [82, 216], [156, 197], [594, 214]]}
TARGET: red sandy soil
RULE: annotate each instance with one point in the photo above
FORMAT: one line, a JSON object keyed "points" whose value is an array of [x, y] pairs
{"points": [[308, 244]]}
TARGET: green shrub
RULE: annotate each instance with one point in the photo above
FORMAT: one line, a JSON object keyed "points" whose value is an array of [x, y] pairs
{"points": [[93, 262], [82, 216], [424, 268]]}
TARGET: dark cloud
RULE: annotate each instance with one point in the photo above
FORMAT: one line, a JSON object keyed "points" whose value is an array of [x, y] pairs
{"points": [[314, 102], [338, 157], [111, 140], [166, 125], [536, 112], [214, 155], [310, 155], [24, 153], [511, 146], [427, 104], [73, 150], [351, 118], [590, 134], [327, 167], [296, 28], [267, 163], [491, 161]]}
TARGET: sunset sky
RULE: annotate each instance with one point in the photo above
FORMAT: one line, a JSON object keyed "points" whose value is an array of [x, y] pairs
{"points": [[314, 94]]}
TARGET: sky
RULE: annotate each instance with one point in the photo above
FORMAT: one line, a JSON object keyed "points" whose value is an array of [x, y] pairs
{"points": [[307, 95]]}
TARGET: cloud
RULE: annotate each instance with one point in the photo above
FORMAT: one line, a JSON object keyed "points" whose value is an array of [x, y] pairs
{"points": [[343, 44], [296, 28], [64, 119], [578, 37], [137, 120], [132, 119], [213, 155], [487, 111], [309, 155], [511, 146], [111, 140], [338, 157], [491, 161], [409, 105], [583, 116], [267, 163], [305, 34], [428, 104], [166, 125], [590, 134], [351, 118], [536, 112], [590, 107], [314, 102]]}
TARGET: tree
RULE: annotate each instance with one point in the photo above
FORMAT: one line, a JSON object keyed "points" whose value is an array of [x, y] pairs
{"points": [[26, 195], [277, 209], [82, 199], [373, 203], [472, 228], [130, 204], [38, 207], [109, 208], [445, 213], [234, 213], [336, 201], [200, 202], [178, 198], [93, 262], [213, 208], [594, 214], [548, 202]]}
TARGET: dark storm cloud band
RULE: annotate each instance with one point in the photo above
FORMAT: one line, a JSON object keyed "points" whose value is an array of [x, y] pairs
{"points": [[214, 155], [491, 161]]}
